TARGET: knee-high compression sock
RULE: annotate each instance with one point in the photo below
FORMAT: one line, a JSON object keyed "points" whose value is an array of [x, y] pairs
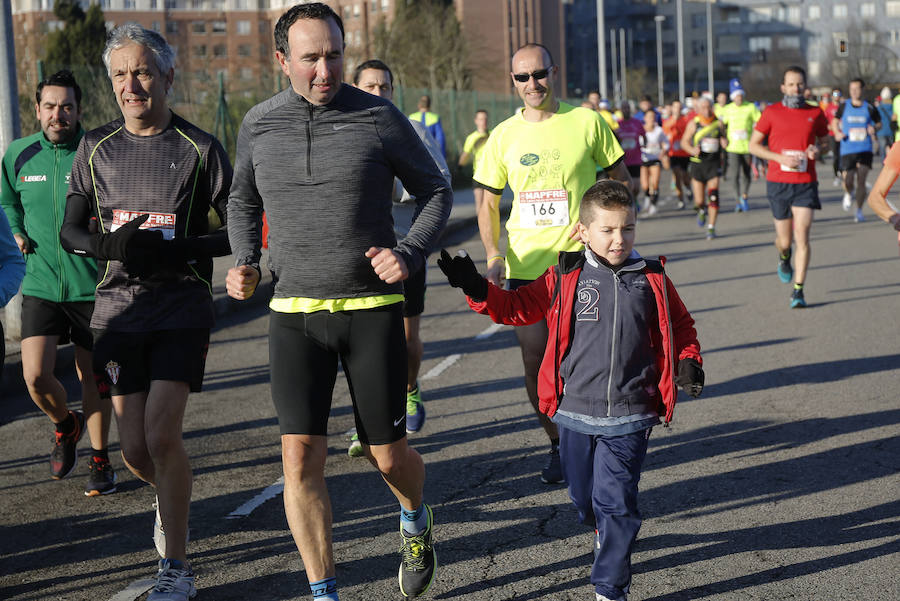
{"points": [[654, 197], [324, 590]]}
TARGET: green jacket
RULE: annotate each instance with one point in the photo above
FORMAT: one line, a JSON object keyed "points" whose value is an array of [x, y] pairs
{"points": [[33, 186]]}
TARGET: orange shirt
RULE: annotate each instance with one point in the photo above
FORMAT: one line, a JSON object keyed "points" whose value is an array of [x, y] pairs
{"points": [[674, 129]]}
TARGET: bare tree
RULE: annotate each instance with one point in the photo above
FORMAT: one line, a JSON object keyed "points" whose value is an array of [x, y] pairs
{"points": [[859, 54]]}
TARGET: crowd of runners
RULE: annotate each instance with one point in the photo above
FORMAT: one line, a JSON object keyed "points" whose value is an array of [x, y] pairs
{"points": [[122, 266]]}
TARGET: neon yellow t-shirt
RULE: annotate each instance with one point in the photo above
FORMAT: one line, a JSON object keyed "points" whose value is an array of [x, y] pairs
{"points": [[474, 145], [740, 121], [549, 165], [896, 104]]}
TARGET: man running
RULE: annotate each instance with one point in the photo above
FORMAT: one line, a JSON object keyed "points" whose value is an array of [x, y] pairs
{"points": [[703, 139], [548, 153], [738, 118], [376, 78], [431, 121], [58, 290], [473, 152], [854, 126], [787, 135], [154, 308], [629, 135], [679, 159], [339, 294]]}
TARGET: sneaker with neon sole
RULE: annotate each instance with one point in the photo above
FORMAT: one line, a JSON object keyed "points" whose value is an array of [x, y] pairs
{"points": [[415, 410], [418, 561]]}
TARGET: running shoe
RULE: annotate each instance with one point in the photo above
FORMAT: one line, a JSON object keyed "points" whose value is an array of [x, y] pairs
{"points": [[859, 217], [415, 410], [355, 449], [836, 182], [173, 584], [701, 217], [680, 204], [64, 456], [785, 271], [745, 206], [710, 233], [847, 201], [652, 210], [418, 561], [159, 534], [102, 480], [797, 300], [552, 473]]}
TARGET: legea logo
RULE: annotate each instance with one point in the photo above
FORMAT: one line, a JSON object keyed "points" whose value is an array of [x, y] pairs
{"points": [[529, 159], [34, 178]]}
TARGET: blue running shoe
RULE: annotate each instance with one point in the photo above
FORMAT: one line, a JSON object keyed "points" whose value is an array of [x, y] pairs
{"points": [[745, 206], [701, 217], [415, 410], [797, 300], [785, 271]]}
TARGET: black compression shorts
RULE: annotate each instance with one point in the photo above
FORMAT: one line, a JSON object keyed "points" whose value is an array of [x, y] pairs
{"points": [[69, 321], [126, 362], [679, 162], [414, 294], [849, 162], [705, 170], [304, 349]]}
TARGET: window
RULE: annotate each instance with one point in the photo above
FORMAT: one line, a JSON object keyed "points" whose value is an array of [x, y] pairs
{"points": [[246, 73], [894, 36], [762, 14], [867, 9], [868, 37], [731, 15], [243, 27], [198, 26], [698, 20], [154, 5], [217, 4], [385, 5], [760, 43], [793, 14], [789, 42], [263, 27], [155, 26], [815, 12], [218, 27], [240, 4], [128, 4], [356, 10], [199, 50], [729, 43], [220, 51], [814, 68], [892, 8], [840, 69], [698, 47], [839, 11], [171, 26], [244, 50]]}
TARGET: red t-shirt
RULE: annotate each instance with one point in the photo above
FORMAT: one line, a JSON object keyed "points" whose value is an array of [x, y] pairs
{"points": [[674, 128], [792, 131], [830, 111]]}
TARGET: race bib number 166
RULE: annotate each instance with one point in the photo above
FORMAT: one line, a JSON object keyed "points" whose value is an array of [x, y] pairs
{"points": [[543, 208]]}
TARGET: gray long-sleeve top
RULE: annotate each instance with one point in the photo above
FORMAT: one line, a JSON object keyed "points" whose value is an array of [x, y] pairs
{"points": [[324, 175]]}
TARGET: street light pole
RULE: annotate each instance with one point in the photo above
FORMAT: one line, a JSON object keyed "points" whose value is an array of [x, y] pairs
{"points": [[9, 117], [709, 48], [614, 62], [659, 66], [679, 26], [623, 73], [601, 47]]}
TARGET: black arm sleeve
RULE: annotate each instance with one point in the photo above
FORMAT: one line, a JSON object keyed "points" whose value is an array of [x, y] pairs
{"points": [[874, 116], [75, 235]]}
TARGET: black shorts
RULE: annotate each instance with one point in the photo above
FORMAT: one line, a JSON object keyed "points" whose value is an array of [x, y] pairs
{"points": [[414, 294], [69, 321], [784, 196], [651, 163], [304, 349], [634, 170], [705, 170], [126, 362], [850, 161], [679, 162]]}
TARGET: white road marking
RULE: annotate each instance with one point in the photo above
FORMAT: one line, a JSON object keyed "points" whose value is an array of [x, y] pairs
{"points": [[449, 361], [134, 590], [278, 487], [269, 492]]}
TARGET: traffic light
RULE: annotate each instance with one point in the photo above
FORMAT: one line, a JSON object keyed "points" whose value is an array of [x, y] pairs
{"points": [[842, 47]]}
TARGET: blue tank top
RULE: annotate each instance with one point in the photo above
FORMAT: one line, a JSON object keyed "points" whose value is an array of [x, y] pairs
{"points": [[855, 121]]}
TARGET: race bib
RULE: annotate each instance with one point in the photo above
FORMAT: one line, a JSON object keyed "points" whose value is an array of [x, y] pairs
{"points": [[160, 222], [800, 154], [543, 208], [709, 145], [629, 144], [858, 134], [739, 134]]}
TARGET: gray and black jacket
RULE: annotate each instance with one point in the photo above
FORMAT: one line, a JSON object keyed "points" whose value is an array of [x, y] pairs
{"points": [[324, 176]]}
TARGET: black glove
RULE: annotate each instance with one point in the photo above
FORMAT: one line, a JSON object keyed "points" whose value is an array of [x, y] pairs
{"points": [[461, 273], [149, 253], [690, 377], [116, 245]]}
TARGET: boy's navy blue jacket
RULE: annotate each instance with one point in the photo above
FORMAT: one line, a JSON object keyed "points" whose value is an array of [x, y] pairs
{"points": [[552, 296]]}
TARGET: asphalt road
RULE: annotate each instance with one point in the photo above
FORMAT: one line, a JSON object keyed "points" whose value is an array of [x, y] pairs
{"points": [[780, 482]]}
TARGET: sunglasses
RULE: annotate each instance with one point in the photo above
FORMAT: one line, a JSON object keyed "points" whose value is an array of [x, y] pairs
{"points": [[539, 74]]}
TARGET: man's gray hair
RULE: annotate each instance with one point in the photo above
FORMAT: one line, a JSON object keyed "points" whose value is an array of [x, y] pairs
{"points": [[132, 33]]}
